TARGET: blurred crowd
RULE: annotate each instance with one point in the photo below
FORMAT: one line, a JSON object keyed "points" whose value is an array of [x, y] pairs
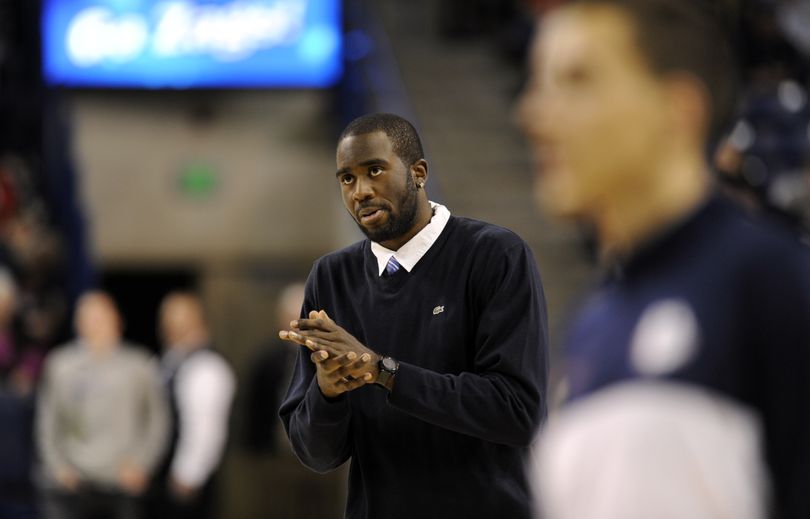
{"points": [[34, 300], [764, 159], [122, 435], [101, 427], [33, 309]]}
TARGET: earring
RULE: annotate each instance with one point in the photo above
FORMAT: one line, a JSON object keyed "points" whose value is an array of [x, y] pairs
{"points": [[420, 184]]}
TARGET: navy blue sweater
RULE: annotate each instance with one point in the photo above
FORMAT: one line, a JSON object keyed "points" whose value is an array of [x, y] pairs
{"points": [[468, 325], [747, 286]]}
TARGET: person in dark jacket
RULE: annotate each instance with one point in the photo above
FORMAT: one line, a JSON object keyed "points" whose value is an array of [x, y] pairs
{"points": [[426, 346]]}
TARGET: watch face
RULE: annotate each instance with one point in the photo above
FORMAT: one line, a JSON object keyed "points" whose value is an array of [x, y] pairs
{"points": [[389, 364]]}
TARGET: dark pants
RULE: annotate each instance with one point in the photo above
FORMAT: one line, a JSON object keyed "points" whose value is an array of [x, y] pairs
{"points": [[91, 504], [171, 508], [161, 504]]}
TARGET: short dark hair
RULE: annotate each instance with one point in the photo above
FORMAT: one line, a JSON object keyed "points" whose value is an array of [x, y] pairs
{"points": [[404, 138], [691, 36]]}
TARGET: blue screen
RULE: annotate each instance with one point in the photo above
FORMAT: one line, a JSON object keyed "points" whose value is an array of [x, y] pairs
{"points": [[192, 43]]}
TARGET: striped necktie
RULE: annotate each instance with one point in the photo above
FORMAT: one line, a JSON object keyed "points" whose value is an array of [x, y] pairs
{"points": [[392, 267]]}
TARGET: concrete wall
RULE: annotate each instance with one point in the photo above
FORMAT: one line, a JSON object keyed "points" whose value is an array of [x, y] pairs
{"points": [[274, 158]]}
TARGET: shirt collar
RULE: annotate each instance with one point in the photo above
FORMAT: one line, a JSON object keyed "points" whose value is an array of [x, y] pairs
{"points": [[409, 254]]}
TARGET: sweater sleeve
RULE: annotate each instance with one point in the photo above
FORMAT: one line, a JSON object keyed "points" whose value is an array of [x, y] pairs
{"points": [[318, 428], [503, 398]]}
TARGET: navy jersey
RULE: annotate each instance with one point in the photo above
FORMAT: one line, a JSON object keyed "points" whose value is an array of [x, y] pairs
{"points": [[719, 302]]}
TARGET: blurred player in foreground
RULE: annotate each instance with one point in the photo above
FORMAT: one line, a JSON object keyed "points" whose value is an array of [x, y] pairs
{"points": [[687, 367]]}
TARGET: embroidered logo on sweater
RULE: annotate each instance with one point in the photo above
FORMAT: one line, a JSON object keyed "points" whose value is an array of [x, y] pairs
{"points": [[438, 310]]}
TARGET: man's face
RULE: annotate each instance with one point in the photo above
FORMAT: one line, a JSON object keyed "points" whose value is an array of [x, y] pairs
{"points": [[97, 320], [377, 188], [592, 111], [177, 317]]}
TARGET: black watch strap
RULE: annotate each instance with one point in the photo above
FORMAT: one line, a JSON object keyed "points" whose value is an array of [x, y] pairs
{"points": [[388, 370]]}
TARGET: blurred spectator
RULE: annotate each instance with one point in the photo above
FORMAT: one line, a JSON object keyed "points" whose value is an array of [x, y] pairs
{"points": [[765, 160], [102, 419], [201, 387], [21, 355], [18, 371], [32, 253], [687, 367], [32, 312], [17, 494], [269, 376]]}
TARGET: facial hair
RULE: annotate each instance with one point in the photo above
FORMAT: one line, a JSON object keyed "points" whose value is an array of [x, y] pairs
{"points": [[397, 225]]}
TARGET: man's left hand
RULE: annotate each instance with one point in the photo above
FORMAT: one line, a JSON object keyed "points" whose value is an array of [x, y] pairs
{"points": [[320, 332], [181, 491]]}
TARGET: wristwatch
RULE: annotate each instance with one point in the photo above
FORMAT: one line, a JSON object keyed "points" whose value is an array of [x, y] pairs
{"points": [[388, 370]]}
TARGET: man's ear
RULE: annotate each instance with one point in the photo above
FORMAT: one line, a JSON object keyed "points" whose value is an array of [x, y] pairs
{"points": [[690, 104], [419, 172]]}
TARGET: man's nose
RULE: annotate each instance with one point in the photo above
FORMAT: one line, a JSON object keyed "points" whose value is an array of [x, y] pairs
{"points": [[532, 112], [362, 190]]}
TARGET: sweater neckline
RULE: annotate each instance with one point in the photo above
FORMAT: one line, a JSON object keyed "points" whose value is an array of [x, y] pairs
{"points": [[395, 281]]}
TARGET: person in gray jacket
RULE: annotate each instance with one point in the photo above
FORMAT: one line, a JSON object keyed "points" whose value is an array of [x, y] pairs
{"points": [[102, 419]]}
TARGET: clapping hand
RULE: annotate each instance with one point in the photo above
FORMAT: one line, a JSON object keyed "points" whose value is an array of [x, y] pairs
{"points": [[342, 362]]}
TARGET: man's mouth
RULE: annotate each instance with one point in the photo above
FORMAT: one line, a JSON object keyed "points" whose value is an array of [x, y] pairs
{"points": [[370, 215], [546, 159]]}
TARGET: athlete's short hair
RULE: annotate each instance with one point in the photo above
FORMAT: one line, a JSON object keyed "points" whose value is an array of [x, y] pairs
{"points": [[689, 36]]}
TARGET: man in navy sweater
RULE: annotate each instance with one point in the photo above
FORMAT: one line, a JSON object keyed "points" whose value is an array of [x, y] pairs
{"points": [[688, 367], [427, 346]]}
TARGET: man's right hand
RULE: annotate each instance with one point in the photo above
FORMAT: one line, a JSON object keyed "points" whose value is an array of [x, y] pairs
{"points": [[67, 479], [132, 478]]}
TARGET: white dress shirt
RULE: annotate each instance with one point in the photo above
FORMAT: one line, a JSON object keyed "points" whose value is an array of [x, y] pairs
{"points": [[409, 254], [204, 388]]}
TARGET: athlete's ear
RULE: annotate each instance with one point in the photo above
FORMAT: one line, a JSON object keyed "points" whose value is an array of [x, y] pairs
{"points": [[689, 106], [419, 172]]}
